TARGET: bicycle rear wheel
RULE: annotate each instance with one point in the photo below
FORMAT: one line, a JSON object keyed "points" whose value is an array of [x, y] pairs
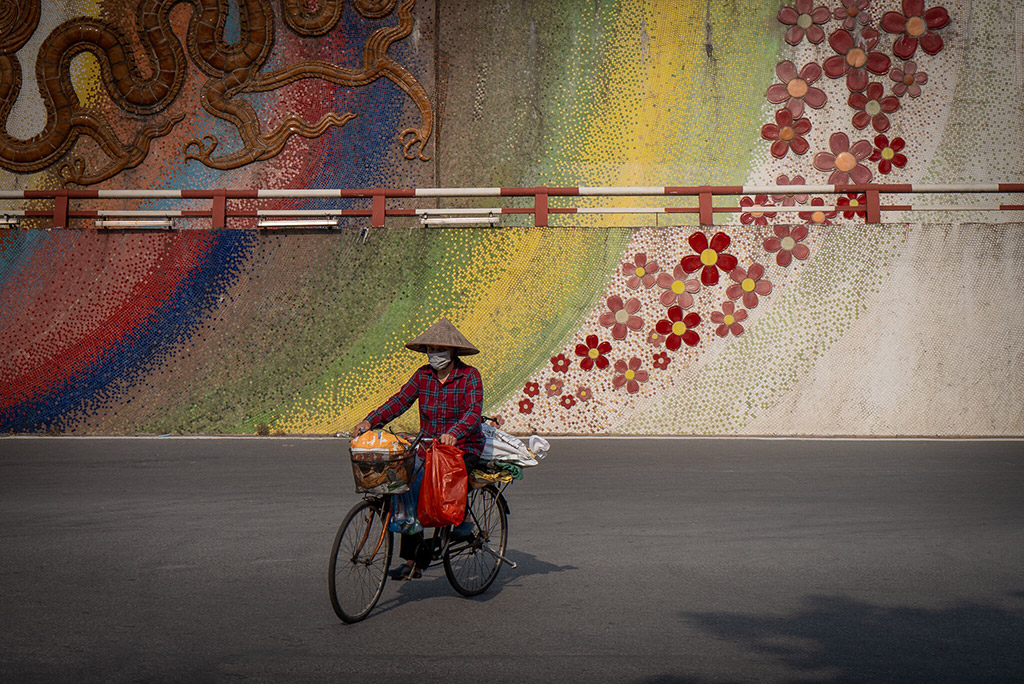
{"points": [[471, 566], [360, 560]]}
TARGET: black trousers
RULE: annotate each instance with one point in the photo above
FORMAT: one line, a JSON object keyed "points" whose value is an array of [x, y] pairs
{"points": [[416, 548]]}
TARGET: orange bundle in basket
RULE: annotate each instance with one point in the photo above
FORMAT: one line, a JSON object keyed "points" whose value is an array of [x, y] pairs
{"points": [[381, 463]]}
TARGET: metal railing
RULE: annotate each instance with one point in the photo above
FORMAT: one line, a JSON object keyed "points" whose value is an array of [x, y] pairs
{"points": [[223, 204]]}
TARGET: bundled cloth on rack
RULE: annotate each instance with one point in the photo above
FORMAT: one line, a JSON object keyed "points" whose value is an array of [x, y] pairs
{"points": [[504, 456], [503, 447]]}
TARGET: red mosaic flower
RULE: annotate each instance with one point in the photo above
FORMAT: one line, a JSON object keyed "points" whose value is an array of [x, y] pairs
{"points": [[802, 20], [787, 133], [757, 218], [748, 284], [856, 58], [629, 375], [795, 89], [654, 338], [786, 242], [584, 393], [819, 217], [661, 360], [728, 320], [844, 160], [711, 256], [916, 24], [853, 204], [679, 329], [593, 353], [553, 386], [852, 13], [620, 318], [532, 389], [908, 80], [873, 107], [567, 401], [790, 200], [678, 290], [559, 363], [525, 406], [640, 272], [887, 153]]}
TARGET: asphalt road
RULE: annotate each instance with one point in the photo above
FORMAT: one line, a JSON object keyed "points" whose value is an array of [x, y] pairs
{"points": [[703, 560]]}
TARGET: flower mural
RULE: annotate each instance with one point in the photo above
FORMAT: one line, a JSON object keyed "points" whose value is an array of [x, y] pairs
{"points": [[531, 389], [729, 320], [787, 134], [629, 375], [844, 161], [679, 290], [525, 406], [593, 352], [796, 89], [710, 257], [915, 25], [654, 338], [790, 199], [748, 284], [908, 80], [857, 56], [584, 393], [757, 218], [640, 272], [818, 217], [786, 242], [852, 13], [661, 360], [872, 107], [888, 153], [804, 20], [567, 401], [853, 204], [553, 387], [559, 363], [620, 316], [679, 329]]}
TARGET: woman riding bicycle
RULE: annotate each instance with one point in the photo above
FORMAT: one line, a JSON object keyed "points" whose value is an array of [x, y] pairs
{"points": [[450, 395]]}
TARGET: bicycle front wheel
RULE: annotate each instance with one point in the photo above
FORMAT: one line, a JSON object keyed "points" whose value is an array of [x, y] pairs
{"points": [[360, 560], [471, 566]]}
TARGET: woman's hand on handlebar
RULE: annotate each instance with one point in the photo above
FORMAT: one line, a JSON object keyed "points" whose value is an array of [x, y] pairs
{"points": [[447, 438], [360, 428]]}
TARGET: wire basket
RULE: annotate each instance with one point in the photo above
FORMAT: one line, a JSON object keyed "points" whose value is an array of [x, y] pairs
{"points": [[382, 472]]}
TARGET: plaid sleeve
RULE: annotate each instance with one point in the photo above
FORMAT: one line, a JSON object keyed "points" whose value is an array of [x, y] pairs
{"points": [[470, 420], [397, 404]]}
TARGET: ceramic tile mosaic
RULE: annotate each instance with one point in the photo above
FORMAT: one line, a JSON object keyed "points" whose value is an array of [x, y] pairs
{"points": [[766, 323]]}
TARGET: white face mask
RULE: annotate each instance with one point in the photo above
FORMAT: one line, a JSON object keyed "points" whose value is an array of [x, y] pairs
{"points": [[439, 360]]}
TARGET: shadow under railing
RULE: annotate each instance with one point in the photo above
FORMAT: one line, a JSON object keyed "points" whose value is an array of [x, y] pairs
{"points": [[841, 639]]}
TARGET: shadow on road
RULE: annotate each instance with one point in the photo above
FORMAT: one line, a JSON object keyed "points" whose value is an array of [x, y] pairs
{"points": [[434, 583], [839, 639]]}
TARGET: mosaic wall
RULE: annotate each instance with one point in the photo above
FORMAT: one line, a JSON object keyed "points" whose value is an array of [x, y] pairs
{"points": [[769, 323]]}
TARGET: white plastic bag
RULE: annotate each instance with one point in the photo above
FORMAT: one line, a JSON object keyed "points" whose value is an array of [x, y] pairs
{"points": [[501, 446]]}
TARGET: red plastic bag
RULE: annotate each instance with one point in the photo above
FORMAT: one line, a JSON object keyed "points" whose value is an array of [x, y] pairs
{"points": [[443, 492]]}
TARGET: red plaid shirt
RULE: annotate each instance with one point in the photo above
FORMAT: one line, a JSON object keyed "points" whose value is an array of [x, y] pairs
{"points": [[452, 407]]}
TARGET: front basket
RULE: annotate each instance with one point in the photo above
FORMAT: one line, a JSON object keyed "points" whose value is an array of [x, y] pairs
{"points": [[381, 472]]}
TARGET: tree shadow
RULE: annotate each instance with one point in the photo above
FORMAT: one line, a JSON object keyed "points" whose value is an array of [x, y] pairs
{"points": [[839, 639]]}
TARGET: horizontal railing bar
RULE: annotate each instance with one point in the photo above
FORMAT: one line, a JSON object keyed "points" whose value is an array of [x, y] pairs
{"points": [[299, 193]]}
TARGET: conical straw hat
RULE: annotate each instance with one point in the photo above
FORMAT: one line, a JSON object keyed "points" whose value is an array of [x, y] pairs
{"points": [[443, 334]]}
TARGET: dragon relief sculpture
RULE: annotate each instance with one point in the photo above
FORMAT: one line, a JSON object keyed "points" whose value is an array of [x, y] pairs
{"points": [[232, 71]]}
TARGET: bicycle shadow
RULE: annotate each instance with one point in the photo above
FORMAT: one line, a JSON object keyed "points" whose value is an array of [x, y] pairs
{"points": [[434, 583]]}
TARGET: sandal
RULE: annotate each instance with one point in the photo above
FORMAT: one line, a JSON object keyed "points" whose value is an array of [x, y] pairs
{"points": [[405, 572]]}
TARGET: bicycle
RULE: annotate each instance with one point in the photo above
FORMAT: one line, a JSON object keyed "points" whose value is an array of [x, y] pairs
{"points": [[361, 555]]}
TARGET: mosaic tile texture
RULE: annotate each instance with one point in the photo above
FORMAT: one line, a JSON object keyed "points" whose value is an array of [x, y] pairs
{"points": [[769, 323]]}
